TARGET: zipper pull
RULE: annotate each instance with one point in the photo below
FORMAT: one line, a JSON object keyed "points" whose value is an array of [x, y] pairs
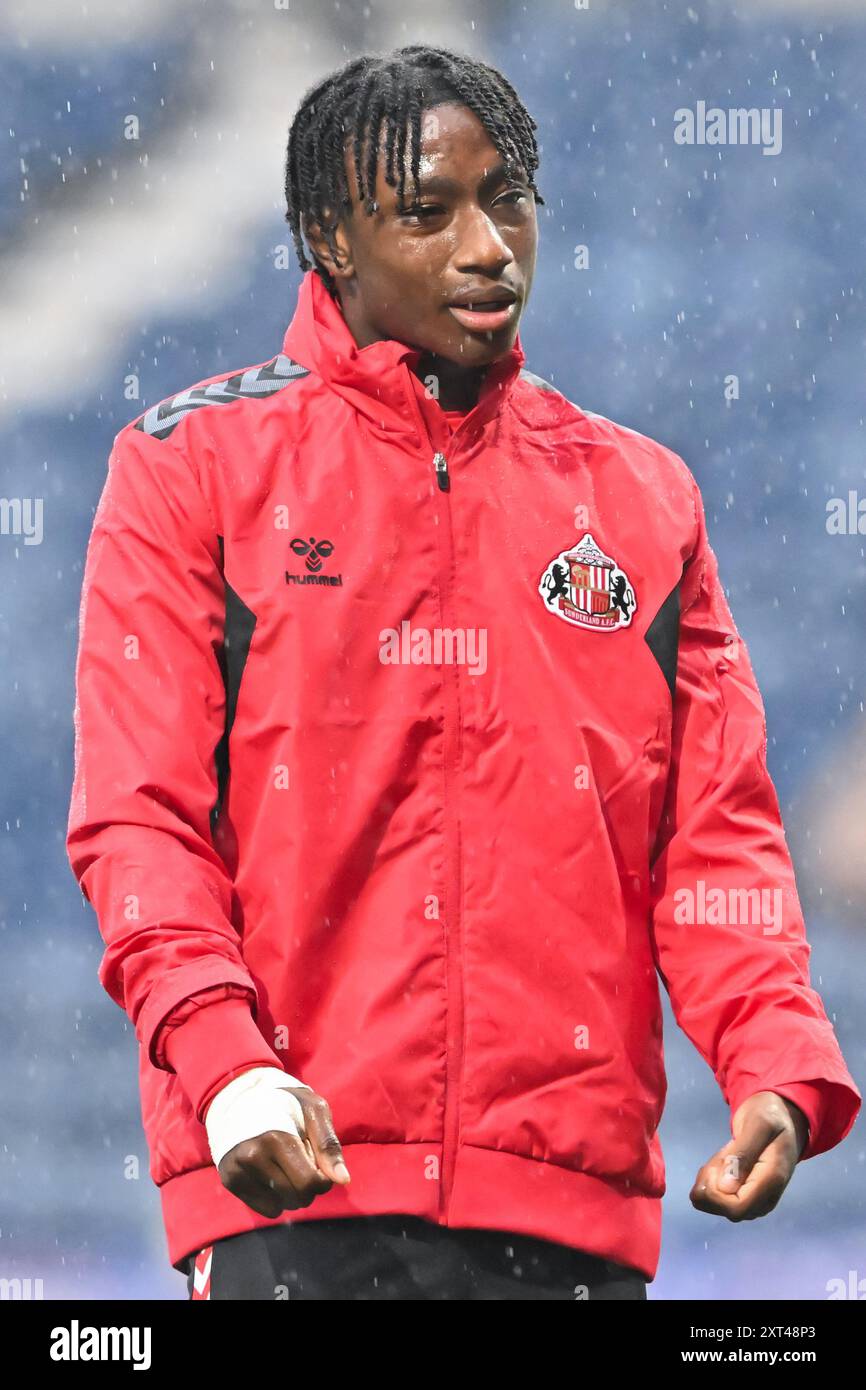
{"points": [[440, 463]]}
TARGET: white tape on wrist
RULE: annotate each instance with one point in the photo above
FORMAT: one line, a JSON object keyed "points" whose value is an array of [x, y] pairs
{"points": [[250, 1105]]}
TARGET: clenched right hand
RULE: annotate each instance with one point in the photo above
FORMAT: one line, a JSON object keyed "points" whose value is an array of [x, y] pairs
{"points": [[283, 1168]]}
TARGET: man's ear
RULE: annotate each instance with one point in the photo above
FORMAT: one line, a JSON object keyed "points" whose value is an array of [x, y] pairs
{"points": [[335, 254]]}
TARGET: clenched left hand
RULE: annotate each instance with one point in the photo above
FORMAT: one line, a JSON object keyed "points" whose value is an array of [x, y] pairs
{"points": [[746, 1178]]}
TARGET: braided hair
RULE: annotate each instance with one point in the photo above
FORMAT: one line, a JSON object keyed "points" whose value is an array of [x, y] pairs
{"points": [[393, 91]]}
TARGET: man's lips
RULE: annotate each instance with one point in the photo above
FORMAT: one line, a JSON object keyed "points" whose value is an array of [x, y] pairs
{"points": [[484, 320]]}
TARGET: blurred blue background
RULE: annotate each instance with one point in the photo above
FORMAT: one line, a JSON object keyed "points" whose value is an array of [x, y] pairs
{"points": [[143, 254]]}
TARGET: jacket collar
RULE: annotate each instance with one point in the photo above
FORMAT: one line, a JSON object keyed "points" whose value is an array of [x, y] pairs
{"points": [[378, 380]]}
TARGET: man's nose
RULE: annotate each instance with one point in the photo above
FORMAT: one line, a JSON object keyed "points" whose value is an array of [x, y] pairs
{"points": [[481, 246]]}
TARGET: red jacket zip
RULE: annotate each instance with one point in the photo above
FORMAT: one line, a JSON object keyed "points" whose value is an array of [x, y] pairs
{"points": [[454, 964], [451, 769]]}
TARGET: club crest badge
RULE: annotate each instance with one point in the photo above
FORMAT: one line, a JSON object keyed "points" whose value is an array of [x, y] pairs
{"points": [[585, 587]]}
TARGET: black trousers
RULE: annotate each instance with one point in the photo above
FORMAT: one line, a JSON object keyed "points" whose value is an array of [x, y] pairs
{"points": [[401, 1257]]}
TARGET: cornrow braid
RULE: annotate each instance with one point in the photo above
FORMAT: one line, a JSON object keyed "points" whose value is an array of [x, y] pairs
{"points": [[393, 90]]}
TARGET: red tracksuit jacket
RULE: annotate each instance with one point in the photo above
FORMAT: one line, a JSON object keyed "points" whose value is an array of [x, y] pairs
{"points": [[409, 759]]}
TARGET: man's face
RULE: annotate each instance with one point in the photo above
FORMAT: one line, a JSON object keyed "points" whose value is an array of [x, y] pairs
{"points": [[472, 230]]}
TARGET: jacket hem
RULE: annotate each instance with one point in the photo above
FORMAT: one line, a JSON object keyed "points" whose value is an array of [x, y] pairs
{"points": [[491, 1189]]}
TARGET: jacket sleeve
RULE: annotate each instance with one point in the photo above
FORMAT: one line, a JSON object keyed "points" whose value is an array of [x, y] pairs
{"points": [[149, 712], [735, 962], [810, 1097], [208, 1040]]}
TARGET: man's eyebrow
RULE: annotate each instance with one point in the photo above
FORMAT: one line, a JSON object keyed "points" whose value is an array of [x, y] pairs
{"points": [[441, 183]]}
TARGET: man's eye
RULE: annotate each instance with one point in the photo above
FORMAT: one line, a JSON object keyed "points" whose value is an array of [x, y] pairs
{"points": [[515, 193], [419, 209]]}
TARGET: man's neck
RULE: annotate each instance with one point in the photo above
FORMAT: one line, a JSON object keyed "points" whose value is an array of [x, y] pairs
{"points": [[457, 388]]}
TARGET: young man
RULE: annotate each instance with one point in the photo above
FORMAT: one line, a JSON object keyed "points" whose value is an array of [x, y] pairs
{"points": [[415, 739]]}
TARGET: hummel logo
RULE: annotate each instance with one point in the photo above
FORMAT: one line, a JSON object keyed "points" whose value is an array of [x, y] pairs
{"points": [[315, 553]]}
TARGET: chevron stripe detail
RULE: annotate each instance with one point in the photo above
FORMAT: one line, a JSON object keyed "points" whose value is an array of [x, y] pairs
{"points": [[162, 418], [538, 381], [201, 1273]]}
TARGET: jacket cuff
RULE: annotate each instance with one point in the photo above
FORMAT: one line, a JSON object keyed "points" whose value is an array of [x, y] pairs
{"points": [[831, 1107], [810, 1098], [214, 1045], [175, 986]]}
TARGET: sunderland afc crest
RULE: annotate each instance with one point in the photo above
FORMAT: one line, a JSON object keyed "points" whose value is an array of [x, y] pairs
{"points": [[585, 587]]}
